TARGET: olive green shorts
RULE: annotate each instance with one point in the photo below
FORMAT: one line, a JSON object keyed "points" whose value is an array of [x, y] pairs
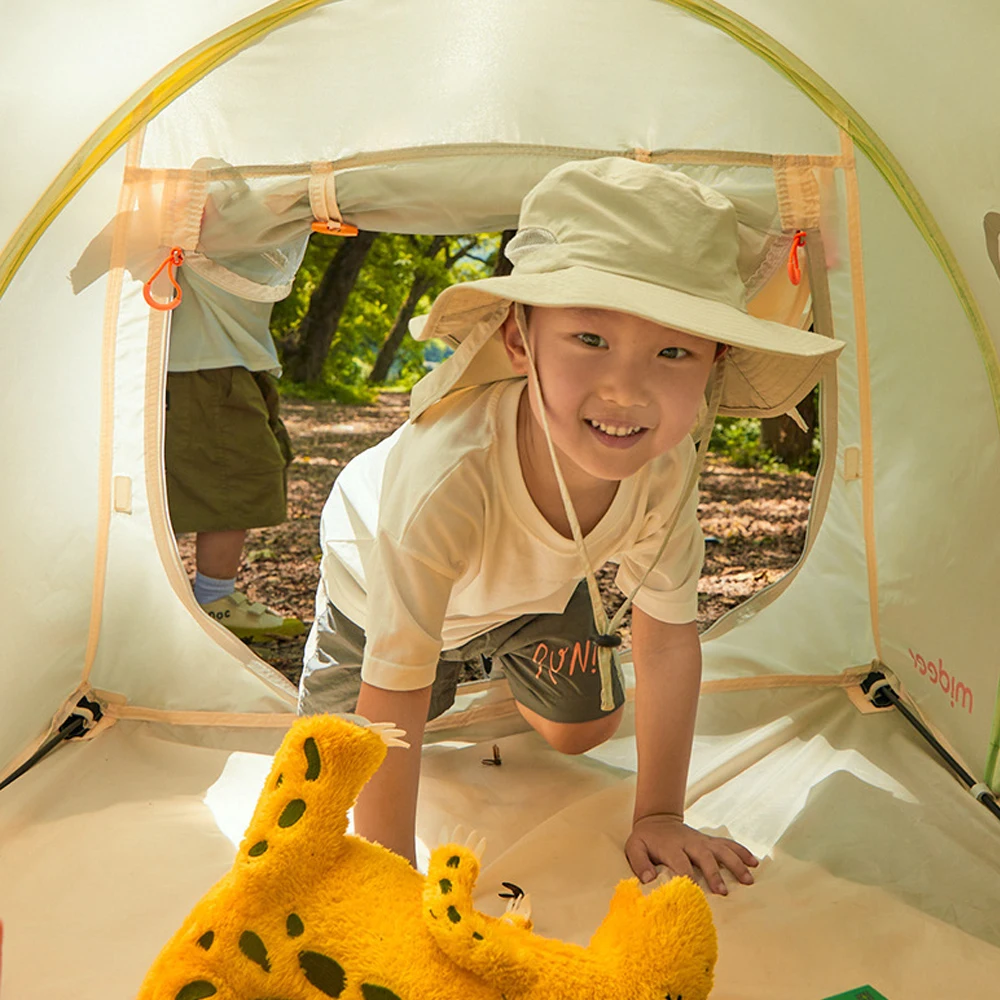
{"points": [[550, 662], [226, 451]]}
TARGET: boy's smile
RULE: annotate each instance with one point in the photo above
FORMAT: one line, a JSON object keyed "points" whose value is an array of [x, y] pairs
{"points": [[616, 436], [619, 391]]}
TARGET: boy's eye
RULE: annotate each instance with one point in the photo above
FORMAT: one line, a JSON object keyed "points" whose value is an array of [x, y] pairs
{"points": [[591, 340], [673, 353]]}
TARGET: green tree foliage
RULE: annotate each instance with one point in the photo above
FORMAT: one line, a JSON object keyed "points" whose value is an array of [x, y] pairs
{"points": [[750, 443], [393, 264]]}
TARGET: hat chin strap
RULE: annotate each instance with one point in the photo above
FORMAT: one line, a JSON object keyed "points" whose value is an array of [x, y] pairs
{"points": [[607, 639]]}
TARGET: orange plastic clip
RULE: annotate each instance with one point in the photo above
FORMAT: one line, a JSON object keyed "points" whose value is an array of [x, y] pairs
{"points": [[174, 259], [334, 228], [794, 268]]}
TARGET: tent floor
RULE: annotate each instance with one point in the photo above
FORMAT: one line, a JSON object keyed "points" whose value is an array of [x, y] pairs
{"points": [[877, 867]]}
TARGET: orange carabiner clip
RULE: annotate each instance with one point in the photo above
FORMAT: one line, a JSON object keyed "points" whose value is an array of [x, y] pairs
{"points": [[174, 259], [794, 268]]}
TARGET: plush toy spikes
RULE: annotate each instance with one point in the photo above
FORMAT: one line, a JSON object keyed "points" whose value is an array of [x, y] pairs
{"points": [[309, 912]]}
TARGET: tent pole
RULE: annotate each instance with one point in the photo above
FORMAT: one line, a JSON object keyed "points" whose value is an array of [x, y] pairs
{"points": [[882, 694], [72, 727]]}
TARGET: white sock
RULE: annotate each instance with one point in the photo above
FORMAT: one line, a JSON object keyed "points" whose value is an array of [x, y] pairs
{"points": [[208, 589]]}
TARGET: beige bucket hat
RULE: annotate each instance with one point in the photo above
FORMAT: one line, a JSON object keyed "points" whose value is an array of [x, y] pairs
{"points": [[618, 234]]}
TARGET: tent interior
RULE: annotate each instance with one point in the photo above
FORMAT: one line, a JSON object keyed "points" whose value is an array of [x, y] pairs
{"points": [[229, 130]]}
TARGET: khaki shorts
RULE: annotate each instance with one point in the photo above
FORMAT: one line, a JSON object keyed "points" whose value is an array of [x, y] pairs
{"points": [[550, 662], [226, 451]]}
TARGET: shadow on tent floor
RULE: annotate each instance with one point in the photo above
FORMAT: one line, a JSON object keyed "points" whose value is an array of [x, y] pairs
{"points": [[878, 868]]}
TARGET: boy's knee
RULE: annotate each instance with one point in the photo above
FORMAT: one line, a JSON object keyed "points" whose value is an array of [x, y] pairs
{"points": [[579, 737]]}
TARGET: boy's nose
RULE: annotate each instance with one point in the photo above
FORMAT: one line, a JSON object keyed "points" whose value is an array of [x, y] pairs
{"points": [[624, 386]]}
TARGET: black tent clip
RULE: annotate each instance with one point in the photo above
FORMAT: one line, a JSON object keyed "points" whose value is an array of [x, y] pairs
{"points": [[882, 694], [87, 716]]}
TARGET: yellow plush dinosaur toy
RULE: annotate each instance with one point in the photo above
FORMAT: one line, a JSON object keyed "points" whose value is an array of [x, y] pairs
{"points": [[308, 911]]}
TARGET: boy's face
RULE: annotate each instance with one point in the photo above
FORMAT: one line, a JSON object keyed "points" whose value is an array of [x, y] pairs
{"points": [[619, 390]]}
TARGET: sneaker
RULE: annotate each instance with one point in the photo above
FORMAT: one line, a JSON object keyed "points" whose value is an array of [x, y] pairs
{"points": [[250, 619]]}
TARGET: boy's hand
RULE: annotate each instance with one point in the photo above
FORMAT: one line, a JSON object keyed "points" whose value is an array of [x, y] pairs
{"points": [[665, 840]]}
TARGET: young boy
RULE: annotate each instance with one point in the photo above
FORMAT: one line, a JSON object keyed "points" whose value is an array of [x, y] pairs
{"points": [[556, 437]]}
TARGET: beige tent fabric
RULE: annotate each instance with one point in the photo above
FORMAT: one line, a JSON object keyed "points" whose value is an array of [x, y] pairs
{"points": [[876, 866], [104, 425]]}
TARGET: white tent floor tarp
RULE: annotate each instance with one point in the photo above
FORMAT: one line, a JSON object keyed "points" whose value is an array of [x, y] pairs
{"points": [[877, 866]]}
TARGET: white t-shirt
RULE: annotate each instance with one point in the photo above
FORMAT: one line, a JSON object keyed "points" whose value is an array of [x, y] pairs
{"points": [[431, 538], [214, 328]]}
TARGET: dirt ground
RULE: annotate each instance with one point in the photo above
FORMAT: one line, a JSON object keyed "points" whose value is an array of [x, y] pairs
{"points": [[754, 522]]}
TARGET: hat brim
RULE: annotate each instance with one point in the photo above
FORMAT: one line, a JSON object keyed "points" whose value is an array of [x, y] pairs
{"points": [[771, 366]]}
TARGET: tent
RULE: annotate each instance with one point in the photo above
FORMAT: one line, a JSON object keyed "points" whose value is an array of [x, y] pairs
{"points": [[859, 124]]}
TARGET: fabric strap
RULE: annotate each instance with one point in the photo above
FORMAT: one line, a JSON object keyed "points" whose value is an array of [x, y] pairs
{"points": [[607, 659]]}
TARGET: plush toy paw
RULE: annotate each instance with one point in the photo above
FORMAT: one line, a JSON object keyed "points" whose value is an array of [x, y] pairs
{"points": [[663, 944], [518, 912], [451, 876], [391, 736]]}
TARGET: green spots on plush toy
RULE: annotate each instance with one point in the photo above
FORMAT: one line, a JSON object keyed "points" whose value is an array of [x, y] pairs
{"points": [[198, 990], [279, 780], [292, 813], [477, 936], [453, 915], [313, 764], [323, 972], [454, 861], [370, 992], [252, 946], [258, 849], [445, 886]]}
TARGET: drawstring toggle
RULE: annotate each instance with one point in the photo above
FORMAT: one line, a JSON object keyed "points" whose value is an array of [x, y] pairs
{"points": [[607, 641]]}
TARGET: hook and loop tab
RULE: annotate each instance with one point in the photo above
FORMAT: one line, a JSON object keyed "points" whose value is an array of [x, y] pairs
{"points": [[173, 260], [794, 267]]}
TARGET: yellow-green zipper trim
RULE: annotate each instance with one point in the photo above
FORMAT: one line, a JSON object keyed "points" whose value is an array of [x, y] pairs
{"points": [[140, 108]]}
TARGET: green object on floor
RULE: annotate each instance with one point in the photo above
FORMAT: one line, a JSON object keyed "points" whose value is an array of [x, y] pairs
{"points": [[859, 993]]}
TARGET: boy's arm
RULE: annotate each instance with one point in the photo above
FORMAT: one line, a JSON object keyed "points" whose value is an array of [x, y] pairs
{"points": [[667, 661], [387, 806]]}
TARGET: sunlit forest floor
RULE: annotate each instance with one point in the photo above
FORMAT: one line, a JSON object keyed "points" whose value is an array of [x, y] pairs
{"points": [[755, 522]]}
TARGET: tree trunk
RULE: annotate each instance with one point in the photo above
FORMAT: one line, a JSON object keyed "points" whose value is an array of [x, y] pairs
{"points": [[503, 266], [387, 352], [782, 436], [303, 360]]}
